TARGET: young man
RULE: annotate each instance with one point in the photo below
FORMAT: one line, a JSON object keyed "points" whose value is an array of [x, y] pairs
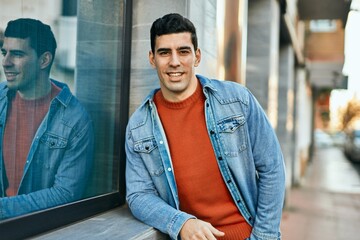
{"points": [[203, 162], [46, 135]]}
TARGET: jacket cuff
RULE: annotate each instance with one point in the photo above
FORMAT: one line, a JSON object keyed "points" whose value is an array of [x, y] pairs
{"points": [[264, 236], [177, 223]]}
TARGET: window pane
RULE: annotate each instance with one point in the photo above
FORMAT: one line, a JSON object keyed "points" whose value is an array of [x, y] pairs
{"points": [[98, 84], [69, 148]]}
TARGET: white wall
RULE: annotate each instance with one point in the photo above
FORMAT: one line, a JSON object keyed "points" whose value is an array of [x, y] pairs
{"points": [[303, 126]]}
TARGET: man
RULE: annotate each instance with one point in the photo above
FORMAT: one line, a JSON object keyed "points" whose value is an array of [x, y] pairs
{"points": [[203, 162], [46, 135]]}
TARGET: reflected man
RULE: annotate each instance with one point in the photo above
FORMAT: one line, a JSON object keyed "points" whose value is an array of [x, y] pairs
{"points": [[46, 145]]}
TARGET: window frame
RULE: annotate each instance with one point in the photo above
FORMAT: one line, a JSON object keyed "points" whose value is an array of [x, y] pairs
{"points": [[48, 219]]}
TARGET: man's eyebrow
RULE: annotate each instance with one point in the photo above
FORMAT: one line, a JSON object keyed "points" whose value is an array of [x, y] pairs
{"points": [[168, 49], [13, 51], [163, 49], [184, 48]]}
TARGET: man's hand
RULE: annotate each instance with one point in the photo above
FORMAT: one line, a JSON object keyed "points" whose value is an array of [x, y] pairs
{"points": [[195, 229]]}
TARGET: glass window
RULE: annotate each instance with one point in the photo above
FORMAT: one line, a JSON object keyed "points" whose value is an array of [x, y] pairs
{"points": [[63, 114]]}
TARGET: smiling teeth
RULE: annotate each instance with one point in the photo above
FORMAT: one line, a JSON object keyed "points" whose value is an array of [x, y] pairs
{"points": [[175, 74], [10, 73]]}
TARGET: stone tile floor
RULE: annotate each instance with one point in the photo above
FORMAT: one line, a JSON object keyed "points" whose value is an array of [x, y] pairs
{"points": [[327, 204]]}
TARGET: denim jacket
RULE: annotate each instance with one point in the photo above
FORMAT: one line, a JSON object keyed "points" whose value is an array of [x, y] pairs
{"points": [[59, 160], [247, 151]]}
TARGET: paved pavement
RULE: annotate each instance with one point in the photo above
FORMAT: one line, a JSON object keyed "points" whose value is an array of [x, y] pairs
{"points": [[327, 204]]}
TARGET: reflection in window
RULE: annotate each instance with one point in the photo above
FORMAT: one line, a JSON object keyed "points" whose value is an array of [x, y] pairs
{"points": [[58, 148], [47, 135]]}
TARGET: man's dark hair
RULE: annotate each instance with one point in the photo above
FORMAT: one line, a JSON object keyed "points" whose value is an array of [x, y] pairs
{"points": [[172, 23], [41, 37]]}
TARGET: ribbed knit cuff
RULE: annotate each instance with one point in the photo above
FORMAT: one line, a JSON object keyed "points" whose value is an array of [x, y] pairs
{"points": [[237, 231]]}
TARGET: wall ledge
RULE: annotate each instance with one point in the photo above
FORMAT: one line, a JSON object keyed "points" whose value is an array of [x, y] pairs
{"points": [[117, 223]]}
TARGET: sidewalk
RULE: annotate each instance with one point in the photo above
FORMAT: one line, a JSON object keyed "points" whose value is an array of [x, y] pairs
{"points": [[327, 205]]}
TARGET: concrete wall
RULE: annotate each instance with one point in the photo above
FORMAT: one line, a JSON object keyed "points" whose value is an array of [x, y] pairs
{"points": [[263, 54], [303, 126], [286, 119]]}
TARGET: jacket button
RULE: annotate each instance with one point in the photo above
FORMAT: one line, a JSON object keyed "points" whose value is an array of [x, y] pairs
{"points": [[212, 132], [220, 158]]}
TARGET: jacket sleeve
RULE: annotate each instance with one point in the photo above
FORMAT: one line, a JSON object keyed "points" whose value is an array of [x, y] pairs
{"points": [[269, 164], [144, 200], [70, 179]]}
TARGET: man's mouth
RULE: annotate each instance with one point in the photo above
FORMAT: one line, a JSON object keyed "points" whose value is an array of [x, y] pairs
{"points": [[175, 74], [10, 75]]}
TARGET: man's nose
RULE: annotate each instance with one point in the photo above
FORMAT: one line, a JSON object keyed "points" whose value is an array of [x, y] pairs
{"points": [[174, 61], [6, 61]]}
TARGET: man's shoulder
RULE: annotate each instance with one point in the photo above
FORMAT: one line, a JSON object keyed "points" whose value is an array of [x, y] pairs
{"points": [[73, 109], [139, 116], [142, 113], [78, 107], [226, 91]]}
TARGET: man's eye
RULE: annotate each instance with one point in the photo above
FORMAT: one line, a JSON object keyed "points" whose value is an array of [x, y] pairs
{"points": [[18, 54], [163, 53], [184, 52]]}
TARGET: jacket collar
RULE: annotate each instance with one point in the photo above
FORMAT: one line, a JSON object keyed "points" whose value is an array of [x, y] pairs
{"points": [[63, 97]]}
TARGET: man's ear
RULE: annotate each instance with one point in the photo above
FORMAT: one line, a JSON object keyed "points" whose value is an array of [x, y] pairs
{"points": [[45, 60], [198, 57], [152, 59]]}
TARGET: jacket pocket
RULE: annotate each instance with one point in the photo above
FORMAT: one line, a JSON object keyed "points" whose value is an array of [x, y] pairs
{"points": [[233, 134], [145, 145], [50, 151], [53, 141], [149, 152]]}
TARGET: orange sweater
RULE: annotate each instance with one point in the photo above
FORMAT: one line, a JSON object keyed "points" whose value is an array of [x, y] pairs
{"points": [[202, 191], [23, 119]]}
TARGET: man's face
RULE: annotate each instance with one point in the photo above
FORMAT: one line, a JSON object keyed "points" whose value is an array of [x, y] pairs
{"points": [[20, 63], [175, 60]]}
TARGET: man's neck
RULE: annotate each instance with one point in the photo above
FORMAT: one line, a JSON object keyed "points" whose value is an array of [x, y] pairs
{"points": [[40, 90]]}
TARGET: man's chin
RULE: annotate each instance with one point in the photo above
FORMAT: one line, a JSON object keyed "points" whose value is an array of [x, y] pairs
{"points": [[11, 85]]}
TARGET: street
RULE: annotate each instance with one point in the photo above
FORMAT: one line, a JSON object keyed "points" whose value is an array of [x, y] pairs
{"points": [[327, 204]]}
